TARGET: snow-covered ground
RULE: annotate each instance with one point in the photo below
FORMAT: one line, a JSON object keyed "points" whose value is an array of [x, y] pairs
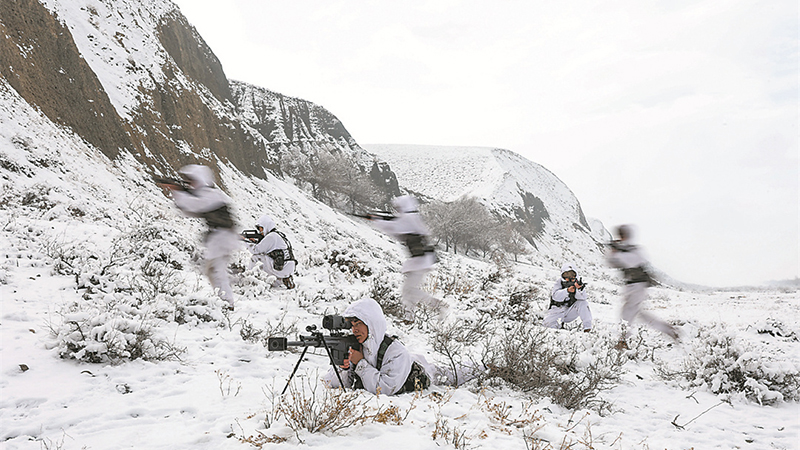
{"points": [[93, 256], [221, 390]]}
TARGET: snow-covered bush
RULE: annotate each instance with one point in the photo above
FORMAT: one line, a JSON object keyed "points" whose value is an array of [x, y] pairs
{"points": [[253, 333], [727, 364], [349, 262], [458, 344], [386, 292], [452, 281], [133, 287], [572, 369], [110, 330], [312, 408], [776, 328]]}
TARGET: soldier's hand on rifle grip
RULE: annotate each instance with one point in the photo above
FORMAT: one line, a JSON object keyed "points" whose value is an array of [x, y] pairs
{"points": [[355, 356]]}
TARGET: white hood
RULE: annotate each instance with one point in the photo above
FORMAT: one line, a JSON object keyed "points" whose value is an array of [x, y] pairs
{"points": [[567, 267], [266, 223], [198, 175], [369, 311]]}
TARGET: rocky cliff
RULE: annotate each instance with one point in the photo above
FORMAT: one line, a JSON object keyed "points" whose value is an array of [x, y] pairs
{"points": [[136, 77]]}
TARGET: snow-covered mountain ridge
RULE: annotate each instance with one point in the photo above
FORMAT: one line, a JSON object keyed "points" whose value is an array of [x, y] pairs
{"points": [[510, 186]]}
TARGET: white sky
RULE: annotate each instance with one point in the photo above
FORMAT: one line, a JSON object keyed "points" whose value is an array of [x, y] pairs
{"points": [[680, 117]]}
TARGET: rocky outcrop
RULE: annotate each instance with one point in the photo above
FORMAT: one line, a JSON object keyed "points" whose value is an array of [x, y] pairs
{"points": [[42, 63], [139, 78]]}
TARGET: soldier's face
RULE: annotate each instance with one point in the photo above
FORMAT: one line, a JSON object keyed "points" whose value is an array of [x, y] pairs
{"points": [[360, 330]]}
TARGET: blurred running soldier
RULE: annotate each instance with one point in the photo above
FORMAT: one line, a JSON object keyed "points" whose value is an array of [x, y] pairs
{"points": [[202, 199], [407, 226], [627, 257]]}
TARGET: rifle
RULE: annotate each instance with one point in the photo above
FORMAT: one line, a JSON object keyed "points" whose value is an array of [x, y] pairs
{"points": [[375, 215], [337, 345], [616, 244], [252, 236], [181, 185]]}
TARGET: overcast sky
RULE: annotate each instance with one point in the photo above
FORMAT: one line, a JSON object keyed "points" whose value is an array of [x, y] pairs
{"points": [[680, 117]]}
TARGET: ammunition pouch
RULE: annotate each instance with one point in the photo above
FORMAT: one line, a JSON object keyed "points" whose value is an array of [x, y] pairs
{"points": [[281, 256], [278, 259]]}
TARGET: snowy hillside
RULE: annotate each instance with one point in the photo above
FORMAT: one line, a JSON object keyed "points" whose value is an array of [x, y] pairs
{"points": [[509, 185], [136, 77], [82, 235], [111, 336]]}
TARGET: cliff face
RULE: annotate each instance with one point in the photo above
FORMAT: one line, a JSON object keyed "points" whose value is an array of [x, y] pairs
{"points": [[136, 77], [42, 63]]}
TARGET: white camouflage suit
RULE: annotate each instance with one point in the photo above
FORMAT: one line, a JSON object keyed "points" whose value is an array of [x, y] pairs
{"points": [[204, 197], [627, 256], [558, 315], [397, 360], [271, 241], [408, 221]]}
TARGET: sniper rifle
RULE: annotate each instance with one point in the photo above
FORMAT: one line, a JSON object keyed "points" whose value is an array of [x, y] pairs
{"points": [[337, 344]]}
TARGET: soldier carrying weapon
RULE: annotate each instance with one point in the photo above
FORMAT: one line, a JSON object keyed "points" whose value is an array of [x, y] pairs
{"points": [[568, 301], [197, 196]]}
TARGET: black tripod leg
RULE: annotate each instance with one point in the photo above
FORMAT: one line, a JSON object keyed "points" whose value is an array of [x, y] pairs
{"points": [[296, 366], [333, 364]]}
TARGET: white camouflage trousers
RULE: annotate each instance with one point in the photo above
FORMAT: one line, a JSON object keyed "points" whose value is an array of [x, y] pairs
{"points": [[413, 295], [633, 297], [567, 314]]}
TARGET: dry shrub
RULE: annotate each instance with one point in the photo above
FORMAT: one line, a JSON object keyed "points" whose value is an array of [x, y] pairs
{"points": [[318, 409], [549, 363], [384, 291], [251, 333], [450, 434], [456, 343]]}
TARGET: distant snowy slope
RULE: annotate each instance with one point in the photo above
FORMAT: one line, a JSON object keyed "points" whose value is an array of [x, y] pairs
{"points": [[508, 184]]}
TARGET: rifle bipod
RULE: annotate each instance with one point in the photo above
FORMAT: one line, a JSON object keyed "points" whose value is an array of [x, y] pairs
{"points": [[330, 359]]}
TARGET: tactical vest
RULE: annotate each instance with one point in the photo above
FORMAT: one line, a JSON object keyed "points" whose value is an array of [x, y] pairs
{"points": [[417, 244], [218, 218], [637, 275], [417, 378], [281, 256]]}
